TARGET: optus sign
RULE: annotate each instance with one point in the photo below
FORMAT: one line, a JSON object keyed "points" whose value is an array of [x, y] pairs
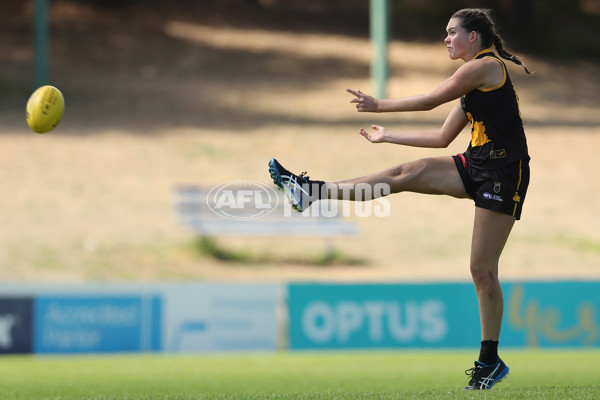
{"points": [[537, 314], [380, 316], [381, 320]]}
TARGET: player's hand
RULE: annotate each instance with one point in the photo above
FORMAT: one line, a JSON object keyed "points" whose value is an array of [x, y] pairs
{"points": [[378, 136], [364, 102]]}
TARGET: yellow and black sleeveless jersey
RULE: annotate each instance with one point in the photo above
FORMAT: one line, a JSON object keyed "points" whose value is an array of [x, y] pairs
{"points": [[497, 134]]}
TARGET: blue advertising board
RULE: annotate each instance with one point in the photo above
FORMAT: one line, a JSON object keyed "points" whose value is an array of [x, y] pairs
{"points": [[552, 314], [101, 323], [345, 316], [124, 317]]}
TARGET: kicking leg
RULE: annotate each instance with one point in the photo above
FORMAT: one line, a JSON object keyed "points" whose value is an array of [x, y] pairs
{"points": [[428, 176]]}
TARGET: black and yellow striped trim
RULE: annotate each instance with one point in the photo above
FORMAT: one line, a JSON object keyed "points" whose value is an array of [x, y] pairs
{"points": [[516, 197]]}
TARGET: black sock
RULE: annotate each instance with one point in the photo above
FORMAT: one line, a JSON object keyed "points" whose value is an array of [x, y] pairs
{"points": [[489, 352]]}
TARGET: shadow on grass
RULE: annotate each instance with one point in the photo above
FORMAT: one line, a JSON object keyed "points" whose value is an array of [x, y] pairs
{"points": [[209, 247]]}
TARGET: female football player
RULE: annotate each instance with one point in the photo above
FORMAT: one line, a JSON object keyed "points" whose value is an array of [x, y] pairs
{"points": [[493, 171]]}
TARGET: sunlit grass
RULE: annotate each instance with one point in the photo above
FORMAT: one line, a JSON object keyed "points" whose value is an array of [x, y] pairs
{"points": [[329, 375]]}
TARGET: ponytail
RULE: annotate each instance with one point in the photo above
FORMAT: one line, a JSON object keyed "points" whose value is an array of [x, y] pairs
{"points": [[499, 45]]}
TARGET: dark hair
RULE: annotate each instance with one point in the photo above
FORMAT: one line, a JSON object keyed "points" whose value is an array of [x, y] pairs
{"points": [[480, 21]]}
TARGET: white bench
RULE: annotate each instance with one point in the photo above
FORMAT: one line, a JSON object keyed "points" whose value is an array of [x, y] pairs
{"points": [[249, 208]]}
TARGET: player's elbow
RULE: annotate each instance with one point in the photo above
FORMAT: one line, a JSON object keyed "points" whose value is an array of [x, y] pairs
{"points": [[430, 101], [442, 144], [444, 140], [428, 105]]}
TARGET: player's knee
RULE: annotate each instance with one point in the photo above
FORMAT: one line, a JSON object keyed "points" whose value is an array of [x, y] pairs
{"points": [[406, 172], [484, 274]]}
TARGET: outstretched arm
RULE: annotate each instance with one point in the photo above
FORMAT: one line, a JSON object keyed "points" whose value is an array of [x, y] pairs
{"points": [[454, 124], [470, 76]]}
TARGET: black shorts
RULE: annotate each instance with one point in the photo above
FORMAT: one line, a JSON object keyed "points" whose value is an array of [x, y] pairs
{"points": [[501, 189]]}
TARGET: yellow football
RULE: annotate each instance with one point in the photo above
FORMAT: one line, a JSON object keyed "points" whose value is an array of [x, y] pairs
{"points": [[45, 109]]}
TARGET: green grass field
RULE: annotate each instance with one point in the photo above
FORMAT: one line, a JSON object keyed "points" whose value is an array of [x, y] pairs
{"points": [[285, 375]]}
